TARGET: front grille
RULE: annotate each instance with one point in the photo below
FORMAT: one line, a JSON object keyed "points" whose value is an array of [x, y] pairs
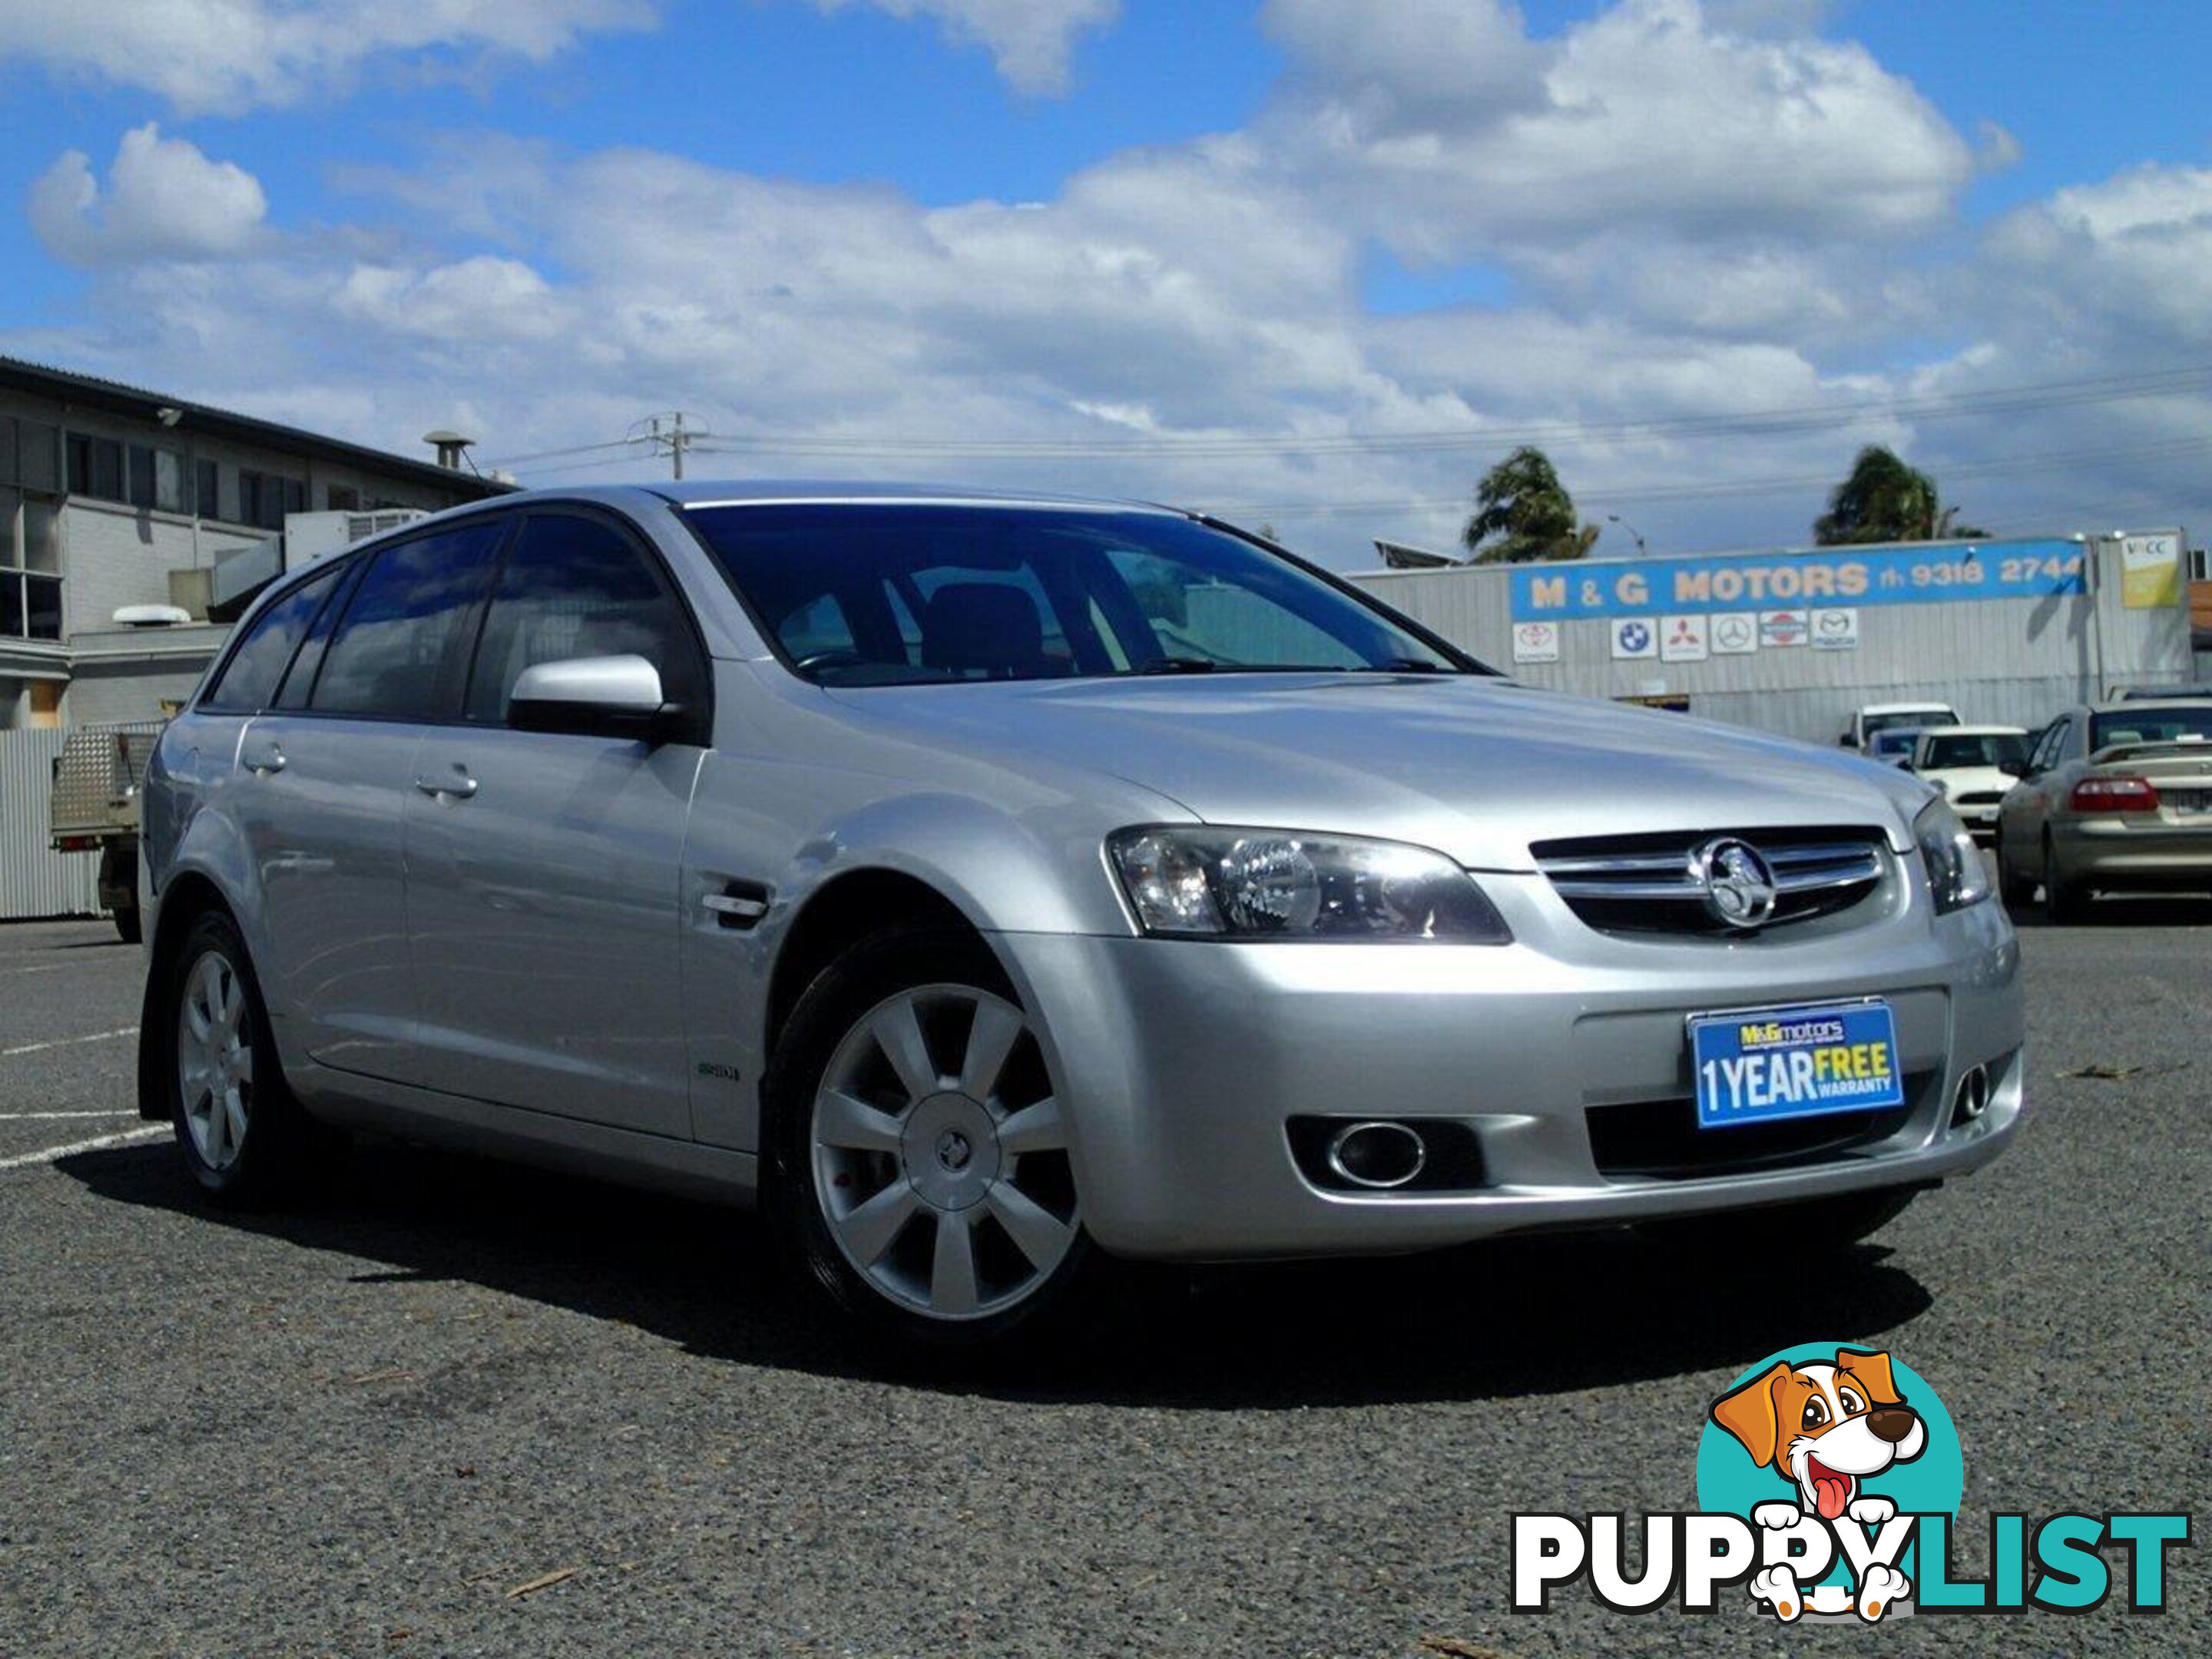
{"points": [[1660, 1140], [1979, 798], [1651, 884]]}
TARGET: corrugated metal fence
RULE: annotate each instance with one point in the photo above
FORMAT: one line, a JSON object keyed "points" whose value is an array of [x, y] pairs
{"points": [[34, 879]]}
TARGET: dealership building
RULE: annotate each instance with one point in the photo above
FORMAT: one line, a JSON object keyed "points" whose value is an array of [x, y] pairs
{"points": [[115, 499], [1792, 640]]}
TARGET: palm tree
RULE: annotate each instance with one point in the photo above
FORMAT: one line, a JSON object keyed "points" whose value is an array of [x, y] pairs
{"points": [[1522, 513], [1884, 499]]}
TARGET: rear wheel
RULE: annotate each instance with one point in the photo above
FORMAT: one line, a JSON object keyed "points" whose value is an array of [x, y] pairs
{"points": [[2065, 900], [918, 1159], [241, 1134]]}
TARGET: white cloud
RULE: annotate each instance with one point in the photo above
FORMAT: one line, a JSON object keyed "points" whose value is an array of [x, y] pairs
{"points": [[1030, 41], [228, 55], [1645, 115], [165, 199], [1697, 223]]}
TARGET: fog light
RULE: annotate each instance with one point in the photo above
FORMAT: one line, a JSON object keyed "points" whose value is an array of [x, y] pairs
{"points": [[1377, 1156]]}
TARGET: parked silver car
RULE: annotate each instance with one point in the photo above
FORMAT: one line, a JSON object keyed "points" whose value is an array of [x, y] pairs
{"points": [[2115, 797], [990, 883]]}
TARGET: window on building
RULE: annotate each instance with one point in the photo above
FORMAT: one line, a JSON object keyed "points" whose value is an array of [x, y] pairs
{"points": [[95, 467], [263, 498], [30, 566], [37, 456], [156, 479], [207, 490], [344, 498]]}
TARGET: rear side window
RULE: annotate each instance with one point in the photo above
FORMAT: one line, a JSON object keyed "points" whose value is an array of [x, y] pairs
{"points": [[576, 587], [250, 678], [387, 654]]}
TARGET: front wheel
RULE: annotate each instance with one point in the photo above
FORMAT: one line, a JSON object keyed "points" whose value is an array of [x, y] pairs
{"points": [[2017, 890], [918, 1159]]}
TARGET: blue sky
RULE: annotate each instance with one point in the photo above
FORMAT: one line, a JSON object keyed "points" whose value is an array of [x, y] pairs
{"points": [[1172, 241]]}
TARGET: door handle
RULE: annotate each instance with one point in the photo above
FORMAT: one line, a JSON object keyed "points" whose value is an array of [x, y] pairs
{"points": [[460, 786], [261, 765]]}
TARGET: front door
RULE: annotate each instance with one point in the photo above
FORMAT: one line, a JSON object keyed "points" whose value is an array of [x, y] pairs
{"points": [[543, 867]]}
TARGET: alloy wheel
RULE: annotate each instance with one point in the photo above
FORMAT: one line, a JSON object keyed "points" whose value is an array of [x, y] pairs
{"points": [[215, 1059], [940, 1156]]}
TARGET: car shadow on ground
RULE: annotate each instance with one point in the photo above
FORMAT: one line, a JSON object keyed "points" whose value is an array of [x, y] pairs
{"points": [[2121, 911], [1510, 1318]]}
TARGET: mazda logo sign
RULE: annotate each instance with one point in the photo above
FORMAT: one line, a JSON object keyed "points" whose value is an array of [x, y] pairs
{"points": [[1739, 884]]}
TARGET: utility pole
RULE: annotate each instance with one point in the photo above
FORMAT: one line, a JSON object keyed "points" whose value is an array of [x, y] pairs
{"points": [[674, 432]]}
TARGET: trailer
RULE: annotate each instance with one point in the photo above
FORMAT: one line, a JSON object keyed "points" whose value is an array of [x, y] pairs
{"points": [[95, 808]]}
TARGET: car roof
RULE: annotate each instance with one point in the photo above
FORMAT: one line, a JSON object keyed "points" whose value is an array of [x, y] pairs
{"points": [[750, 492], [1908, 709], [1973, 731], [2147, 708]]}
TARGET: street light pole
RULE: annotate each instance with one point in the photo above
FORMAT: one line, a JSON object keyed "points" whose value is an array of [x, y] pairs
{"points": [[1642, 552]]}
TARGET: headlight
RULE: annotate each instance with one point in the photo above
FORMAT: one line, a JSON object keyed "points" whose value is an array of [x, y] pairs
{"points": [[1956, 875], [1199, 881]]}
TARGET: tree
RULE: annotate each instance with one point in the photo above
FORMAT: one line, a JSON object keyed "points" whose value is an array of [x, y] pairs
{"points": [[1522, 513], [1884, 499]]}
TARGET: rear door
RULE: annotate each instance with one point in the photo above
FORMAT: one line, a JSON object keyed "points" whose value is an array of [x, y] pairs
{"points": [[545, 866], [326, 775]]}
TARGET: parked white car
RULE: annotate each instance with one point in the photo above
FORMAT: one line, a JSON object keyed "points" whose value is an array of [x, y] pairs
{"points": [[1880, 716], [1967, 763]]}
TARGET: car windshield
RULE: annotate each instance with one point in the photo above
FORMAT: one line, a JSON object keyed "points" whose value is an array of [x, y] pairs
{"points": [[1974, 749], [1903, 717], [890, 594], [2152, 723]]}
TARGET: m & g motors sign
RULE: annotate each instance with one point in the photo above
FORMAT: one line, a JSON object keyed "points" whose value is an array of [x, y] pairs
{"points": [[1937, 573]]}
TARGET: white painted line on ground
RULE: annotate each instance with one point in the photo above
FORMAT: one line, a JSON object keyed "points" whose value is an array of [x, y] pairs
{"points": [[99, 1143], [54, 967], [65, 1043], [26, 1117]]}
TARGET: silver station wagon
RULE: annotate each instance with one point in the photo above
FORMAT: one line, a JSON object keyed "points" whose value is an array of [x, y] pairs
{"points": [[993, 885]]}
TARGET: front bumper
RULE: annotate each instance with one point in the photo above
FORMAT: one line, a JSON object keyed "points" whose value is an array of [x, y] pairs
{"points": [[1181, 1064]]}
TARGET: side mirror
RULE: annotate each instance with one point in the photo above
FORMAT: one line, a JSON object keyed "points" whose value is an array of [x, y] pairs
{"points": [[2015, 768], [592, 696]]}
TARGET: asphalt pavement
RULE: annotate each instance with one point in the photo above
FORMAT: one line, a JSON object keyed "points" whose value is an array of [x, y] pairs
{"points": [[449, 1408]]}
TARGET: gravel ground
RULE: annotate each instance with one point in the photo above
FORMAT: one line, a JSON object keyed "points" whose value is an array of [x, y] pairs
{"points": [[367, 1425]]}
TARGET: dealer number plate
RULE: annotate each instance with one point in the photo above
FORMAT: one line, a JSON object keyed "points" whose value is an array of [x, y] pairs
{"points": [[1760, 1066], [2189, 803]]}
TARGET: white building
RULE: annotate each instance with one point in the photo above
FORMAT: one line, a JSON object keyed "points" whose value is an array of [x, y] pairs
{"points": [[111, 496]]}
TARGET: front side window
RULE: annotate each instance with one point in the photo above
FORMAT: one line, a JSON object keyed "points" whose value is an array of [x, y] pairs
{"points": [[928, 594], [249, 680], [575, 588], [401, 622]]}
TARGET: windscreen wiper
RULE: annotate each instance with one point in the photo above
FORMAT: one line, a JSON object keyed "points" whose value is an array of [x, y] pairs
{"points": [[1174, 666]]}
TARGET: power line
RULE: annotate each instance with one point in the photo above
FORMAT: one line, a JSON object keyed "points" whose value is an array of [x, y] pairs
{"points": [[2057, 394]]}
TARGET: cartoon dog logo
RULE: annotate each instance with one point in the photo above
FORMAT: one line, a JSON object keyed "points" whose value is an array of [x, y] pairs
{"points": [[1825, 1428]]}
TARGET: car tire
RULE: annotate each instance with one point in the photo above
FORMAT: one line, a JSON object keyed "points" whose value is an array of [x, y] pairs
{"points": [[2017, 890], [917, 1169], [126, 924], [243, 1136], [1783, 1232], [2065, 901]]}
